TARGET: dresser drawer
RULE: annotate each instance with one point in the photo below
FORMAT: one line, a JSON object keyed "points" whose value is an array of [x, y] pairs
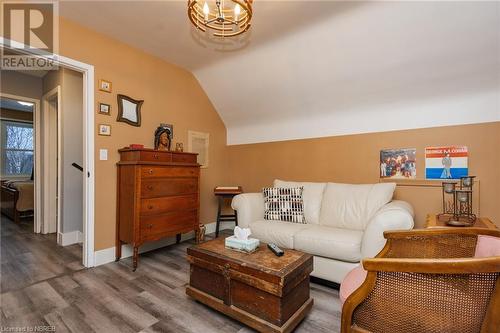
{"points": [[152, 156], [164, 205], [158, 172], [184, 158], [156, 226], [154, 188]]}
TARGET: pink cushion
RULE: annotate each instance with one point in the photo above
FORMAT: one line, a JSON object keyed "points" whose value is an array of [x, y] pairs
{"points": [[351, 282], [487, 246]]}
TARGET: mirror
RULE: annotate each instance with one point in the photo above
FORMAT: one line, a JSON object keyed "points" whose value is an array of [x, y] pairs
{"points": [[129, 110]]}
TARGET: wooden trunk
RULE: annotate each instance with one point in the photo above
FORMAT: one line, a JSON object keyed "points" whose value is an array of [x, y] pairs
{"points": [[265, 292], [158, 196]]}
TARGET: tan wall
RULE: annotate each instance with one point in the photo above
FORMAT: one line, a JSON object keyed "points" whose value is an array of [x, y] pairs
{"points": [[354, 159], [170, 94]]}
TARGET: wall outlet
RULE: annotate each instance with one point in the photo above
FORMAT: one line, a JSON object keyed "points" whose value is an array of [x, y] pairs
{"points": [[103, 154]]}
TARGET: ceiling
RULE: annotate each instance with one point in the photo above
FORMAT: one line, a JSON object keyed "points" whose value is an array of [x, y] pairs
{"points": [[319, 68]]}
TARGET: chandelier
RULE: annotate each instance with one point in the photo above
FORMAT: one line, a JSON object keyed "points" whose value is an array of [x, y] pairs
{"points": [[224, 18]]}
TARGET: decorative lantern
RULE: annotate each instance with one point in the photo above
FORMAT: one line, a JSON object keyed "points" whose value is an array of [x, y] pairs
{"points": [[448, 201], [457, 202], [467, 182]]}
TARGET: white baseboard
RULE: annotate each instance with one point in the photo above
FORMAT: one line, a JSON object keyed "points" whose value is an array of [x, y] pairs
{"points": [[105, 256], [69, 238]]}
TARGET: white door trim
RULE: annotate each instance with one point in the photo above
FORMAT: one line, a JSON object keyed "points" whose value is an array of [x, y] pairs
{"points": [[88, 141], [37, 159], [46, 198]]}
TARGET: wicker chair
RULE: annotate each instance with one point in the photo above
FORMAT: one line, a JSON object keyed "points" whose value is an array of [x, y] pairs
{"points": [[427, 281]]}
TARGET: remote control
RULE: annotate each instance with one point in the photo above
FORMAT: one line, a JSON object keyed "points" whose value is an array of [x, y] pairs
{"points": [[276, 250]]}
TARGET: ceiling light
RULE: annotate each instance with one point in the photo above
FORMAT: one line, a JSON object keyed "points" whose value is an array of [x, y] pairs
{"points": [[224, 18], [25, 103]]}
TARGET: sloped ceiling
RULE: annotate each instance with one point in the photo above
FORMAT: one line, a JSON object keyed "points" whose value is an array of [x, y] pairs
{"points": [[311, 69]]}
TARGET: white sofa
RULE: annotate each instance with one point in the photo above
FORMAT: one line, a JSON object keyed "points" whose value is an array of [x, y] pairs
{"points": [[344, 223]]}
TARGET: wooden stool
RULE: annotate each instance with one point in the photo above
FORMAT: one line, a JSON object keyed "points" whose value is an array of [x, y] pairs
{"points": [[223, 193]]}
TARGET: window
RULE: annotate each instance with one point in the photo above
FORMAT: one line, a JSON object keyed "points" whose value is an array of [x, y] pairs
{"points": [[16, 148]]}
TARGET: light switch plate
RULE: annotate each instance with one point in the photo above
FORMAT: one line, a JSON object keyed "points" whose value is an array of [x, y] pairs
{"points": [[103, 154]]}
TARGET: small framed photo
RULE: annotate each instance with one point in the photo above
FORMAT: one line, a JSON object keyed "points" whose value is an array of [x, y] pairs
{"points": [[105, 109], [104, 129], [104, 85]]}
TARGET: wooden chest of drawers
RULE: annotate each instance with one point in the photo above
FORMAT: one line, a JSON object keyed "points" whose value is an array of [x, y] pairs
{"points": [[158, 196]]}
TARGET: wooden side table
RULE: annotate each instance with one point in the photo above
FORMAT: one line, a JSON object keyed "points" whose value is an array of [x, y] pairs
{"points": [[223, 193], [482, 222]]}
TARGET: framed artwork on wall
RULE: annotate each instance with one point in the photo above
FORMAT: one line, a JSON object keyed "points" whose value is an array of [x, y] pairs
{"points": [[398, 163], [105, 109], [104, 130], [129, 110], [198, 142], [105, 85], [447, 162]]}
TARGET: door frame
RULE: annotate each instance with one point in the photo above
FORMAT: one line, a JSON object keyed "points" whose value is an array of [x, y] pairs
{"points": [[41, 224], [88, 175], [36, 145]]}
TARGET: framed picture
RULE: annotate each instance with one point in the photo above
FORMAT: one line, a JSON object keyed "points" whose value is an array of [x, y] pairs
{"points": [[104, 129], [198, 142], [447, 162], [129, 110], [104, 85], [398, 163], [105, 109]]}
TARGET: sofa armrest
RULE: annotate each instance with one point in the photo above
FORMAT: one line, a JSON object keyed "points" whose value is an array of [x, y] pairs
{"points": [[249, 207], [396, 215]]}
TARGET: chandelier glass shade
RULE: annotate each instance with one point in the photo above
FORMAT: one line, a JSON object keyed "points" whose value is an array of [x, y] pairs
{"points": [[223, 18]]}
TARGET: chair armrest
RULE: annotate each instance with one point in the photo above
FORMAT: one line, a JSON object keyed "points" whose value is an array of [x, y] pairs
{"points": [[434, 266], [396, 215], [249, 207], [433, 243], [463, 294]]}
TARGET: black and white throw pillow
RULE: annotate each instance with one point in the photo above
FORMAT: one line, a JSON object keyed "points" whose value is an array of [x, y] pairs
{"points": [[284, 204]]}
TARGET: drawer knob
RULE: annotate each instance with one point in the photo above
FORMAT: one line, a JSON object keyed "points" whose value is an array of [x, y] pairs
{"points": [[150, 171], [150, 207], [156, 156], [149, 187]]}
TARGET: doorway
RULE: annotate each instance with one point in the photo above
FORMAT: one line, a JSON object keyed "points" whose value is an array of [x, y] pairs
{"points": [[87, 175]]}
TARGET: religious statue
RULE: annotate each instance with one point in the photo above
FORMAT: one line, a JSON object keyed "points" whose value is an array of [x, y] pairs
{"points": [[163, 137]]}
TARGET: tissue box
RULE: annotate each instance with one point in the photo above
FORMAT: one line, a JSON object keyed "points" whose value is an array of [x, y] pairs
{"points": [[248, 245]]}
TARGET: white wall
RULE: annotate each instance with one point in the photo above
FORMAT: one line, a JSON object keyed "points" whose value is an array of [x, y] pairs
{"points": [[379, 66], [72, 150], [15, 83], [71, 110]]}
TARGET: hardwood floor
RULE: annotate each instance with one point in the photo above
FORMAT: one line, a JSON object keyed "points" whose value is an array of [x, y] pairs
{"points": [[43, 284]]}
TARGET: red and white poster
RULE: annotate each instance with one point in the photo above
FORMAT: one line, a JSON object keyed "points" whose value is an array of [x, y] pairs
{"points": [[448, 162]]}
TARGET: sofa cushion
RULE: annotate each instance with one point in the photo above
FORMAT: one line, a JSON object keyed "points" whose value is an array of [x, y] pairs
{"points": [[487, 246], [283, 204], [352, 281], [350, 206], [334, 243], [312, 196], [278, 232]]}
